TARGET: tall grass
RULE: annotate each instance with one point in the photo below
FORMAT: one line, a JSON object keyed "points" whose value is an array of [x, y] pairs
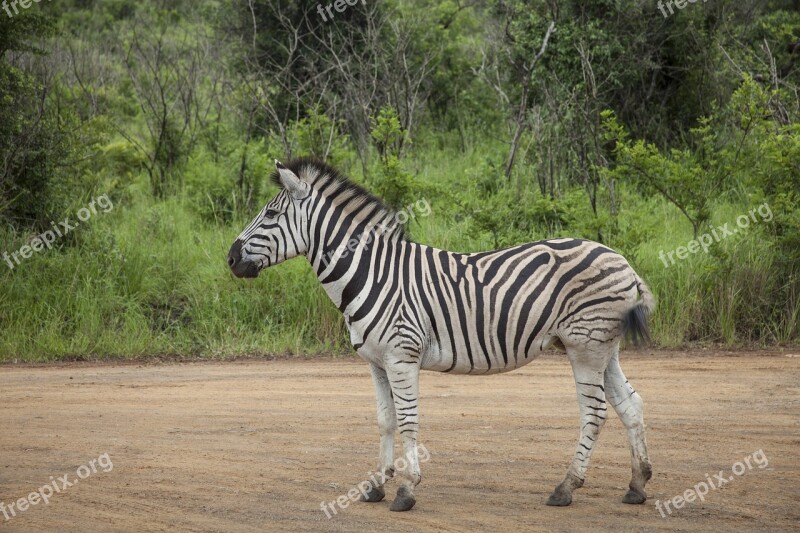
{"points": [[150, 278]]}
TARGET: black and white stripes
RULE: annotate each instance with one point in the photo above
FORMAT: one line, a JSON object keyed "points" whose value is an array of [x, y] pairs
{"points": [[410, 307]]}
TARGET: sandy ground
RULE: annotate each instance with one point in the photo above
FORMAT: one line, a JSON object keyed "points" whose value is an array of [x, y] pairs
{"points": [[259, 445]]}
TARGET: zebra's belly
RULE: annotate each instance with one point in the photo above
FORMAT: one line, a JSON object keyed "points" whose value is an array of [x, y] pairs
{"points": [[468, 360]]}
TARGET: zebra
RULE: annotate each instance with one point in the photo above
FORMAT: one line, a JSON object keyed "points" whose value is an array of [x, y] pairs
{"points": [[410, 307]]}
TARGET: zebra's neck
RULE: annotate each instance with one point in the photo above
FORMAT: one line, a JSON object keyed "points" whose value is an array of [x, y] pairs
{"points": [[347, 240]]}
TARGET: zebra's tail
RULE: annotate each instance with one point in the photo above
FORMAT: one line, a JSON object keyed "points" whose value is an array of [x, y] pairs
{"points": [[635, 325]]}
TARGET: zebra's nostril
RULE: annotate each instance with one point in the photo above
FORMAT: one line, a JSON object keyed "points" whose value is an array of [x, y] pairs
{"points": [[235, 255]]}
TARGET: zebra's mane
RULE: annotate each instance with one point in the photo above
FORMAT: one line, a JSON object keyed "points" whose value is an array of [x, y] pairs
{"points": [[321, 176]]}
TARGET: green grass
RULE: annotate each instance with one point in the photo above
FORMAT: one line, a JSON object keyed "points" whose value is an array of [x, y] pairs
{"points": [[150, 278]]}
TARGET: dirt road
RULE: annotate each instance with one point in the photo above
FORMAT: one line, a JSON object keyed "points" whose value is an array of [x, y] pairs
{"points": [[258, 446]]}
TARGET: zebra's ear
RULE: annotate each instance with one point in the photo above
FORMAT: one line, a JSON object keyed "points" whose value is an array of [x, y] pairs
{"points": [[291, 182]]}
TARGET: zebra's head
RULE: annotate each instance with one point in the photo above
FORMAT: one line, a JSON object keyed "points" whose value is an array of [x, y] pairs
{"points": [[278, 233]]}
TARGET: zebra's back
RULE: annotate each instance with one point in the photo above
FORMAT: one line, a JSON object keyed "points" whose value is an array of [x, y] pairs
{"points": [[495, 311]]}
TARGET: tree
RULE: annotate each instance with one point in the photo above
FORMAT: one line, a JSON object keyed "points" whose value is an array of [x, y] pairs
{"points": [[35, 141], [167, 61]]}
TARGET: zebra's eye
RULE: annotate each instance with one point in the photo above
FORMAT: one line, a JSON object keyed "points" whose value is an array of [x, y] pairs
{"points": [[271, 213]]}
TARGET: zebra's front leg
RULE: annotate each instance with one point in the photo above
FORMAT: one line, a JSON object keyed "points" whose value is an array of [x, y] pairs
{"points": [[587, 368], [387, 425], [403, 377]]}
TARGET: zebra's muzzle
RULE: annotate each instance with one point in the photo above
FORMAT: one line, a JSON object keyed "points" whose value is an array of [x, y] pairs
{"points": [[241, 268]]}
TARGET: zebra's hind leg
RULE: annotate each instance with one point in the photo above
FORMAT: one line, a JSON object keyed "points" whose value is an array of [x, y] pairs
{"points": [[372, 489], [630, 409], [588, 366]]}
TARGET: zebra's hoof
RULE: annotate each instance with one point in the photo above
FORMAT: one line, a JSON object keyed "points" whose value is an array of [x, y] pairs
{"points": [[634, 497], [374, 494], [559, 499], [404, 500]]}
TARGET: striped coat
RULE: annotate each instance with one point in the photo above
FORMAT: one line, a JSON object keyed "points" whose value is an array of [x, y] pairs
{"points": [[410, 307]]}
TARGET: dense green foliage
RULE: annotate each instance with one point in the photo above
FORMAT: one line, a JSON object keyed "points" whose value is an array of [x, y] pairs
{"points": [[516, 120]]}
